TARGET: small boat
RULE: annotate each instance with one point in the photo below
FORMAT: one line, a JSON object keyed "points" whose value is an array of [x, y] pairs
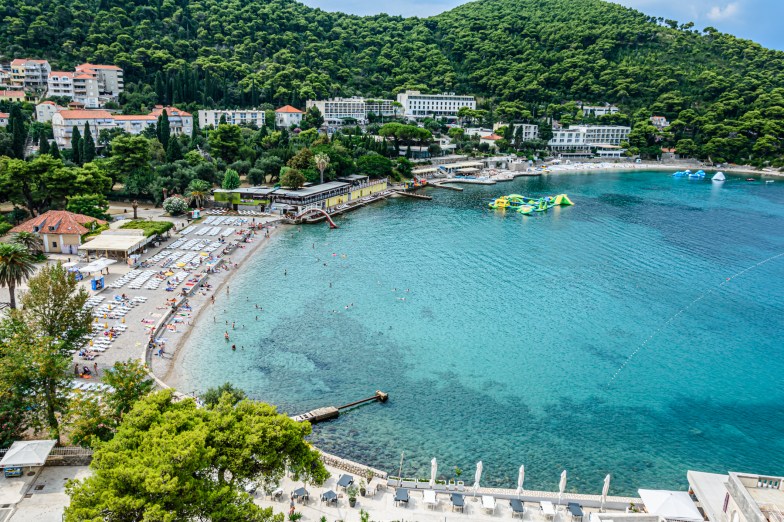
{"points": [[718, 177], [750, 179], [767, 181]]}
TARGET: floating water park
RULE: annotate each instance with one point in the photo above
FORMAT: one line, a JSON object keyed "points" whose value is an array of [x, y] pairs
{"points": [[700, 174], [526, 205]]}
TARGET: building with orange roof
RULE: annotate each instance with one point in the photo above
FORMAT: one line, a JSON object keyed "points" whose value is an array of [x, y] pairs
{"points": [[180, 122], [491, 139], [109, 78], [45, 110], [15, 96], [30, 74], [63, 123], [287, 116], [60, 83], [134, 123], [4, 119], [60, 231]]}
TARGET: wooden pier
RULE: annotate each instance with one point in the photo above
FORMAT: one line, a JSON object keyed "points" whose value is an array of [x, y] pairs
{"points": [[412, 195], [331, 412]]}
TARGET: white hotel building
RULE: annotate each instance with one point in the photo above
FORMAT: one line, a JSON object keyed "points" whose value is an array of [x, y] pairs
{"points": [[336, 110], [212, 117], [584, 137], [419, 106]]}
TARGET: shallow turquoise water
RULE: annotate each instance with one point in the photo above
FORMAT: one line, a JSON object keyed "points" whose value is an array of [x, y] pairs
{"points": [[512, 328]]}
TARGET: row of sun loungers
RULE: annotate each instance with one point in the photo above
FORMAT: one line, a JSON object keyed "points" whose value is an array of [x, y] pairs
{"points": [[225, 220]]}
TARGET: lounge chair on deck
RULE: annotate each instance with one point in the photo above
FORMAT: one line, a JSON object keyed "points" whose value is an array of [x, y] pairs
{"points": [[430, 499], [488, 503], [517, 507], [547, 509], [576, 510], [458, 502], [401, 495]]}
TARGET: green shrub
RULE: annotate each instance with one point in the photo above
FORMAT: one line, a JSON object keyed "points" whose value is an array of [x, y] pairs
{"points": [[150, 227]]}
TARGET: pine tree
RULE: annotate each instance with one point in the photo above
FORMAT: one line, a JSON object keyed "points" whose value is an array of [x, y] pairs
{"points": [[222, 120], [55, 150], [163, 130], [43, 145], [88, 145], [18, 128], [160, 87], [173, 152], [76, 145]]}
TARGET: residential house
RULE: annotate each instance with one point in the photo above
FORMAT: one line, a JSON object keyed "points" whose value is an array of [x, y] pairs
{"points": [[14, 96], [45, 110], [60, 231], [180, 122], [3, 119], [287, 116], [60, 83], [660, 122], [491, 140]]}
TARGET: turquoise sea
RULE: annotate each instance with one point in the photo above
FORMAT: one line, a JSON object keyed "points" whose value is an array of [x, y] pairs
{"points": [[599, 338]]}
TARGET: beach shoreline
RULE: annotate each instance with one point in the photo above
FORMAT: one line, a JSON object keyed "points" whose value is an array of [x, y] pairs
{"points": [[167, 369], [581, 168]]}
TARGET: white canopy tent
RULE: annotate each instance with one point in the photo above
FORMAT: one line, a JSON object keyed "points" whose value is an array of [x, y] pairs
{"points": [[27, 453], [123, 244], [670, 505], [97, 265]]}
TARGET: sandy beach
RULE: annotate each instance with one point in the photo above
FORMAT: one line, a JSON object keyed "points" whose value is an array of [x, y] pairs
{"points": [[579, 167], [165, 367]]}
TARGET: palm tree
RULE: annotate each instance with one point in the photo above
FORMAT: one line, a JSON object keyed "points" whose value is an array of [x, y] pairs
{"points": [[134, 205], [31, 241], [16, 265], [322, 162], [197, 191]]}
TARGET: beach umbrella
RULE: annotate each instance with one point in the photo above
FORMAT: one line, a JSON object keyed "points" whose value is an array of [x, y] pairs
{"points": [[433, 471], [562, 485], [605, 490], [477, 476], [520, 479]]}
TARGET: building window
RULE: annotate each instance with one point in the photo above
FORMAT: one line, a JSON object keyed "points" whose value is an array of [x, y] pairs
{"points": [[54, 244]]}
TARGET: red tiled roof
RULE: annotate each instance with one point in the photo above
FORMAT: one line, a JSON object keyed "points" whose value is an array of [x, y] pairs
{"points": [[22, 61], [84, 77], [85, 114], [170, 111], [12, 94], [47, 102], [63, 222], [61, 73], [492, 137], [289, 108], [93, 66], [4, 115]]}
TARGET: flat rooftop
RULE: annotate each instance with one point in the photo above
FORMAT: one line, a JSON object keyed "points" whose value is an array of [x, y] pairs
{"points": [[311, 191]]}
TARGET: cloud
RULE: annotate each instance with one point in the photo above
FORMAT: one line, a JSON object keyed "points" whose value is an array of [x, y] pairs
{"points": [[716, 13]]}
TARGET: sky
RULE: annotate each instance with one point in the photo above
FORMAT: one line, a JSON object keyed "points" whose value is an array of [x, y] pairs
{"points": [[757, 20]]}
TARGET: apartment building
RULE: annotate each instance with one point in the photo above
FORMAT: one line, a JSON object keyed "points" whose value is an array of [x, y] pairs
{"points": [[530, 131], [109, 78], [60, 83], [598, 110], [63, 123], [419, 106], [86, 90], [30, 74], [337, 110], [4, 119], [212, 117], [287, 116], [14, 96]]}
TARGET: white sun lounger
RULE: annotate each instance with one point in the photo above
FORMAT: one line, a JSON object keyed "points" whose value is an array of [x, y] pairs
{"points": [[547, 508], [430, 498], [488, 503]]}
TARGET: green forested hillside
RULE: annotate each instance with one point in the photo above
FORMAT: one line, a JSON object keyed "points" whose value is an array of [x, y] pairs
{"points": [[724, 95]]}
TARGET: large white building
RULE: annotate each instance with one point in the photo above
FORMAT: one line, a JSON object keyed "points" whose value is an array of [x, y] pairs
{"points": [[212, 117], [419, 106], [63, 121], [30, 74], [60, 83], [584, 137], [738, 497], [530, 131], [109, 78], [287, 116], [337, 110]]}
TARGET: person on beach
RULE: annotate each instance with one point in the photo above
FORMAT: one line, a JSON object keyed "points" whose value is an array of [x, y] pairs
{"points": [[234, 347], [232, 325], [76, 369], [227, 289], [95, 367], [226, 336]]}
